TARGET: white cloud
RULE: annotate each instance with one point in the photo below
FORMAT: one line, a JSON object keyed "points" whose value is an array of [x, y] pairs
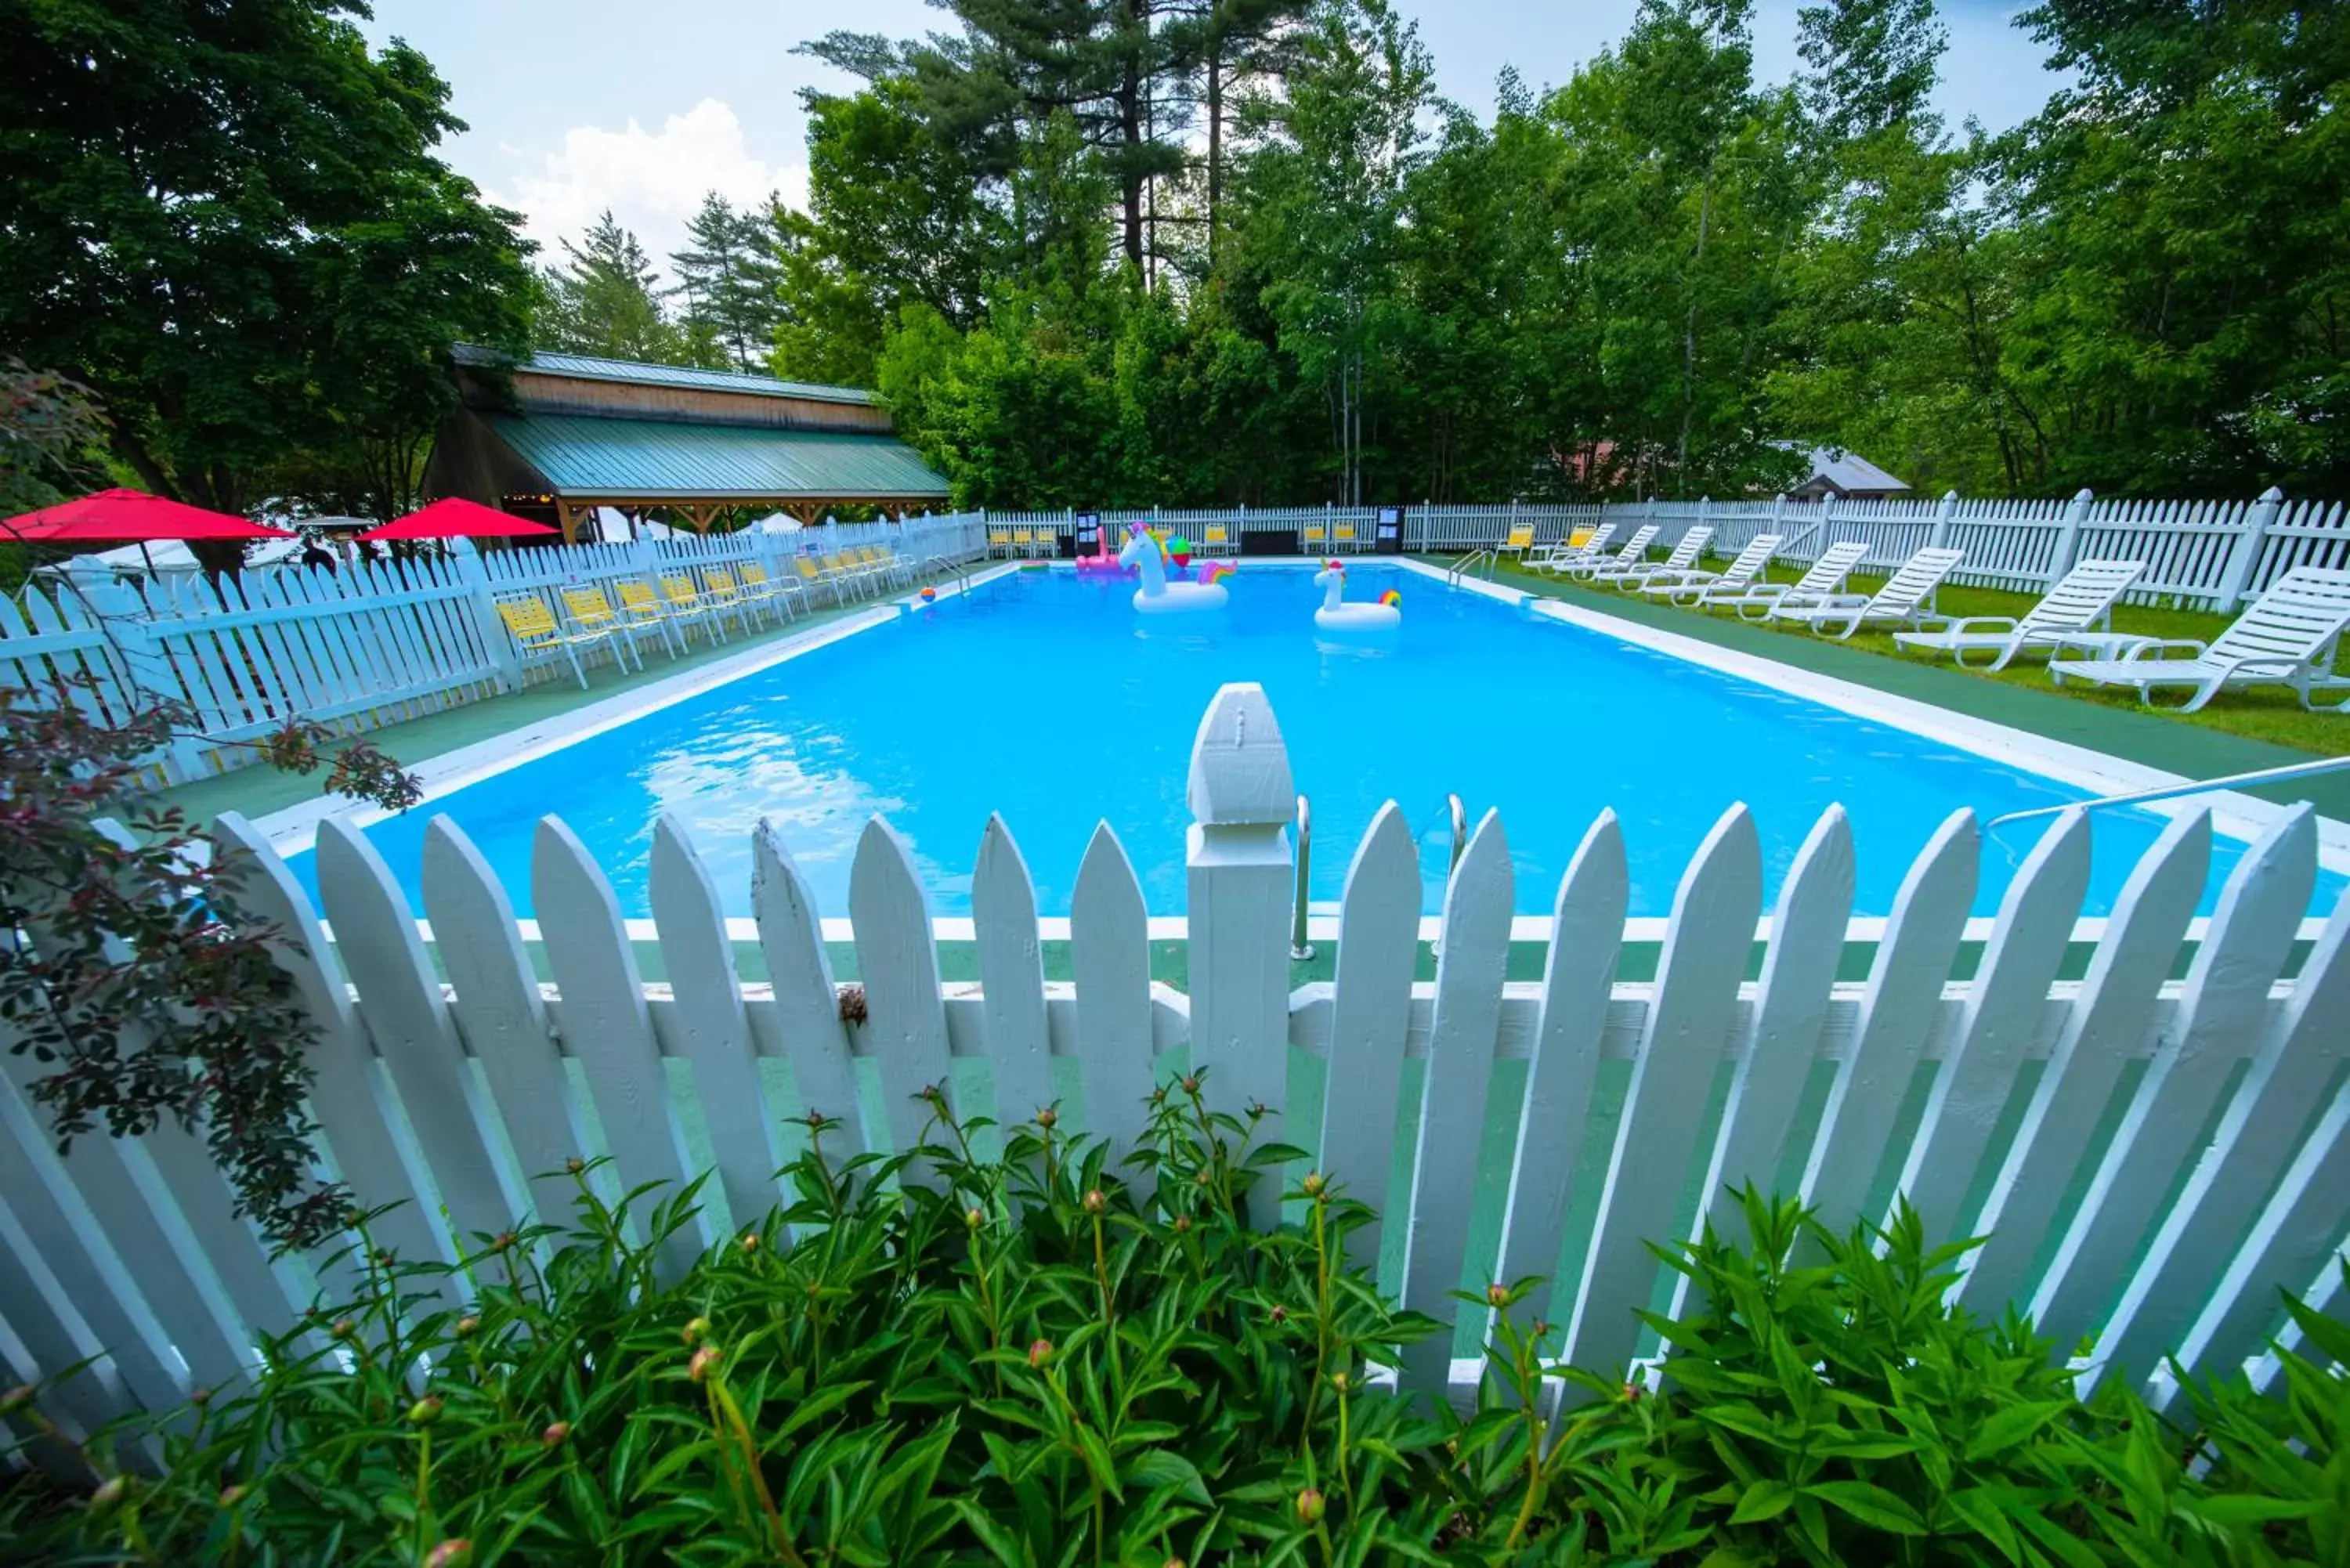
{"points": [[652, 182]]}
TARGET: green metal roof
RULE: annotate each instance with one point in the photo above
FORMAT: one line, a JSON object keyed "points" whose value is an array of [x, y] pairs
{"points": [[657, 459], [589, 368]]}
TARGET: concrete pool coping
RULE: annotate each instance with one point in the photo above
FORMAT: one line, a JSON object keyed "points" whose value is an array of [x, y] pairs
{"points": [[294, 830]]}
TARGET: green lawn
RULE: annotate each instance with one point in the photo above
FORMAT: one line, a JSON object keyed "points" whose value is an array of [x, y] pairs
{"points": [[2270, 714]]}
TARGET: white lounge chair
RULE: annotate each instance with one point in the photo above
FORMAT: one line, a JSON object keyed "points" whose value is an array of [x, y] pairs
{"points": [[1635, 550], [2071, 616], [1898, 602], [1691, 587], [1566, 552], [1683, 558], [1822, 582], [2285, 638]]}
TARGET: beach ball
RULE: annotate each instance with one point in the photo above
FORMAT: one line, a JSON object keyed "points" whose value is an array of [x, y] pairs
{"points": [[929, 593]]}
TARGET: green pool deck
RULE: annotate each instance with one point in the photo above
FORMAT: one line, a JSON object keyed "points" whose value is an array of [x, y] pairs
{"points": [[2134, 734]]}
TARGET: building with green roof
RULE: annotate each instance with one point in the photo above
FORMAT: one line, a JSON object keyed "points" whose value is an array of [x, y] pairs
{"points": [[554, 436]]}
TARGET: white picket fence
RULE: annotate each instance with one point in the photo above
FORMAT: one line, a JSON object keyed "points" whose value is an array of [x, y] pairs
{"points": [[2209, 554], [366, 646], [458, 1092]]}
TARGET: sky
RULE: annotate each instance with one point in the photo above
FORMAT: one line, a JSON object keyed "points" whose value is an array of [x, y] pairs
{"points": [[575, 106]]}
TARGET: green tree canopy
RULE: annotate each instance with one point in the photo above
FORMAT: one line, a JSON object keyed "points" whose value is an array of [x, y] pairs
{"points": [[229, 222]]}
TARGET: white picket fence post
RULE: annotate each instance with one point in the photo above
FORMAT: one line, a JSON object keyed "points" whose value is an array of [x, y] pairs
{"points": [[1945, 513], [480, 603], [2068, 535], [2244, 557], [1238, 867]]}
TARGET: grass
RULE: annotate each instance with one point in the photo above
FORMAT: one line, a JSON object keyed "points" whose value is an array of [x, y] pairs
{"points": [[2273, 716]]}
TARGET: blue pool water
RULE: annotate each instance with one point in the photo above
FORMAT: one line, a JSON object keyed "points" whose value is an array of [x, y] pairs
{"points": [[1044, 696]]}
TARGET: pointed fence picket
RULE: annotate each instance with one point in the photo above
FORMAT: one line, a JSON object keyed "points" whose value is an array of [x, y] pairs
{"points": [[455, 1085]]}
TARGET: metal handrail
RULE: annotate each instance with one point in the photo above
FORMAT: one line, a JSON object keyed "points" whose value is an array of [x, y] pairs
{"points": [[1460, 832], [1490, 555], [1300, 950], [2172, 792]]}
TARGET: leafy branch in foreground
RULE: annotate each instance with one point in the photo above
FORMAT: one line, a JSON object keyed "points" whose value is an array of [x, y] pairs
{"points": [[128, 968]]}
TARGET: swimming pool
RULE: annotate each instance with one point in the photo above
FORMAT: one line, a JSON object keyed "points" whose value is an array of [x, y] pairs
{"points": [[1044, 696]]}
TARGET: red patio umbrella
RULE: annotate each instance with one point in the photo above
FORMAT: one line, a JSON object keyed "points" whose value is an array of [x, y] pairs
{"points": [[458, 519], [130, 516]]}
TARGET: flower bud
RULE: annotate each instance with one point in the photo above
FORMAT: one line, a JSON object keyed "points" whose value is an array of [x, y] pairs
{"points": [[1314, 1184], [1158, 1096], [703, 1360], [233, 1495], [16, 1398], [504, 1243], [750, 1242], [1040, 1352], [1341, 1382], [1309, 1507], [425, 1411], [554, 1433], [1046, 1117], [1191, 1085], [1497, 1296], [1095, 1201], [452, 1553], [1280, 1314], [468, 1325], [973, 1219], [345, 1329], [1182, 1223], [695, 1328], [113, 1489], [575, 1164], [199, 1396], [1200, 1180]]}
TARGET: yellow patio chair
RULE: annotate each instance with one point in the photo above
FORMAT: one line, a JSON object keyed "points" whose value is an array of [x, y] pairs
{"points": [[1342, 537], [999, 541], [1023, 540], [686, 604], [640, 608], [1317, 538], [1520, 540], [759, 588], [718, 585], [538, 637], [1215, 540], [814, 577], [841, 570], [589, 610]]}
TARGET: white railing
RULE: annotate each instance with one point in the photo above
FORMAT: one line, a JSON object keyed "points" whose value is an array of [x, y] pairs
{"points": [[450, 1078], [366, 646]]}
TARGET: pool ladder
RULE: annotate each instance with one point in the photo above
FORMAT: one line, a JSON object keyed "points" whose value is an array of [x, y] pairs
{"points": [[1301, 949], [1489, 555], [2173, 792]]}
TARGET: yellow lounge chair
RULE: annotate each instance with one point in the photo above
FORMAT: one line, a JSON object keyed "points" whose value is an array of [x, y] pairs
{"points": [[813, 577], [758, 587], [538, 636], [638, 606], [590, 611], [1520, 539], [687, 604], [724, 592]]}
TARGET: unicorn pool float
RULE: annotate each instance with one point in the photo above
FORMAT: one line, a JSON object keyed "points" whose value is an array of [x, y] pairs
{"points": [[1336, 615], [1157, 595]]}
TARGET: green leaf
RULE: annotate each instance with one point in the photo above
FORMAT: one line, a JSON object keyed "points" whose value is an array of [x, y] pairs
{"points": [[2003, 1429], [2246, 1510], [1164, 1467], [1764, 1499], [1872, 1505], [1983, 1511]]}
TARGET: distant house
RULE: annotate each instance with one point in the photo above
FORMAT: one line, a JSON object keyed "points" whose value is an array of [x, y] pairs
{"points": [[1846, 475]]}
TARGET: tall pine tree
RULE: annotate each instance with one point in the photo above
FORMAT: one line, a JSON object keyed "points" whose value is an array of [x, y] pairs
{"points": [[606, 299], [727, 278]]}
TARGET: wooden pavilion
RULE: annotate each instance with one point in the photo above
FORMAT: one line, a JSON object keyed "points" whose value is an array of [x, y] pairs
{"points": [[554, 436]]}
